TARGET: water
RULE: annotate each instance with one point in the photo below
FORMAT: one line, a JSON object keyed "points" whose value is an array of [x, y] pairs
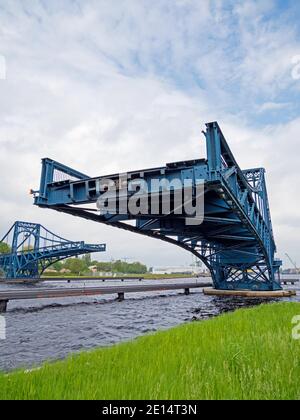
{"points": [[46, 329]]}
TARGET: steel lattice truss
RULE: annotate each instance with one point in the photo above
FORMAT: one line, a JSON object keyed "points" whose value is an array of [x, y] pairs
{"points": [[31, 249], [235, 240]]}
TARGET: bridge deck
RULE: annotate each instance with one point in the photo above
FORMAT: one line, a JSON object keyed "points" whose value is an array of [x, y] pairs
{"points": [[31, 249], [229, 227], [6, 296]]}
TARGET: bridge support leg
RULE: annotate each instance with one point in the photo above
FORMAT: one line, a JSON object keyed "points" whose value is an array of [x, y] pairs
{"points": [[187, 291], [3, 306], [121, 296]]}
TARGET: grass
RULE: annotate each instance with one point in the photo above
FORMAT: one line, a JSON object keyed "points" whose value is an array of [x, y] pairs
{"points": [[248, 354]]}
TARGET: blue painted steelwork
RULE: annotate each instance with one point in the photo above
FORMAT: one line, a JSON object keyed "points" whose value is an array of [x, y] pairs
{"points": [[31, 249], [235, 240]]}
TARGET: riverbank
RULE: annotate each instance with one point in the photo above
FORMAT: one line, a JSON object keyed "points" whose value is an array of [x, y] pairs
{"points": [[248, 354], [147, 276]]}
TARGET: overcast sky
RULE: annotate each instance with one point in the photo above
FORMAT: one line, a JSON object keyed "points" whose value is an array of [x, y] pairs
{"points": [[108, 86]]}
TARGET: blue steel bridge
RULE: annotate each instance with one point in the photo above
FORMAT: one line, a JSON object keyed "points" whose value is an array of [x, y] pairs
{"points": [[235, 240], [30, 249]]}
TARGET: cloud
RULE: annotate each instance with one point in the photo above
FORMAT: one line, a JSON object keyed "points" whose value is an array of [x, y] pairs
{"points": [[114, 86], [2, 68], [272, 106]]}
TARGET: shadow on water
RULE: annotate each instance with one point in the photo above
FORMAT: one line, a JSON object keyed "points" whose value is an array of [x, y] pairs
{"points": [[103, 301]]}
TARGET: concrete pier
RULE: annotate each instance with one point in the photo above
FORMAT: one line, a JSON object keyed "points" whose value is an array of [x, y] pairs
{"points": [[121, 296], [250, 293], [3, 305]]}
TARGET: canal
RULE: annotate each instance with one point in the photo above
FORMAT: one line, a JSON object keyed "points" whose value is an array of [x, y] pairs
{"points": [[45, 330]]}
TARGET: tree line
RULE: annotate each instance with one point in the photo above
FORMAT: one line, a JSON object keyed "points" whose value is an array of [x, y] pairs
{"points": [[83, 265], [86, 265]]}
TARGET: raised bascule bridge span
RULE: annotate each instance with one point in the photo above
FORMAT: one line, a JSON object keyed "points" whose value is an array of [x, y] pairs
{"points": [[235, 240], [31, 249]]}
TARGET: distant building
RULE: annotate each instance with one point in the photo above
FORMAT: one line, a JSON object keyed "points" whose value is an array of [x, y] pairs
{"points": [[93, 268], [190, 270]]}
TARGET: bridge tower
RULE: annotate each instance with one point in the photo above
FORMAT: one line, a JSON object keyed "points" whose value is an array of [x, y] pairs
{"points": [[28, 249]]}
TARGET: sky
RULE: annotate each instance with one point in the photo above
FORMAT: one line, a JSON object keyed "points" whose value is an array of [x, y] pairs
{"points": [[109, 86]]}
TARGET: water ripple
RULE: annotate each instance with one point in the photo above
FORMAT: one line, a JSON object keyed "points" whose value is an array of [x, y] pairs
{"points": [[45, 329]]}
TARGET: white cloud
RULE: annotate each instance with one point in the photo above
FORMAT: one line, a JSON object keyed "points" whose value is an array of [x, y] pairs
{"points": [[296, 67], [114, 86], [272, 106], [267, 46]]}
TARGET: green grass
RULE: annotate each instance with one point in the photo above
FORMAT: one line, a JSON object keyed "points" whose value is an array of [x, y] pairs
{"points": [[248, 354]]}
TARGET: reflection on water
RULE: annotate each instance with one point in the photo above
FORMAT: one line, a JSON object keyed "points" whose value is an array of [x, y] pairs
{"points": [[49, 329]]}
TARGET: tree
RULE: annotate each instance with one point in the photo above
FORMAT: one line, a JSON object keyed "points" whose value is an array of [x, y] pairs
{"points": [[137, 268], [122, 267], [4, 248], [104, 266], [58, 265], [75, 265]]}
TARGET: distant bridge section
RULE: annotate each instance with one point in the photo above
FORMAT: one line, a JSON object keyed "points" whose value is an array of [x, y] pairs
{"points": [[234, 239], [28, 249]]}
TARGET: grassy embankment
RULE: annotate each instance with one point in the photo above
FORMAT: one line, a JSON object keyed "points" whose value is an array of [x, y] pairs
{"points": [[248, 354]]}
